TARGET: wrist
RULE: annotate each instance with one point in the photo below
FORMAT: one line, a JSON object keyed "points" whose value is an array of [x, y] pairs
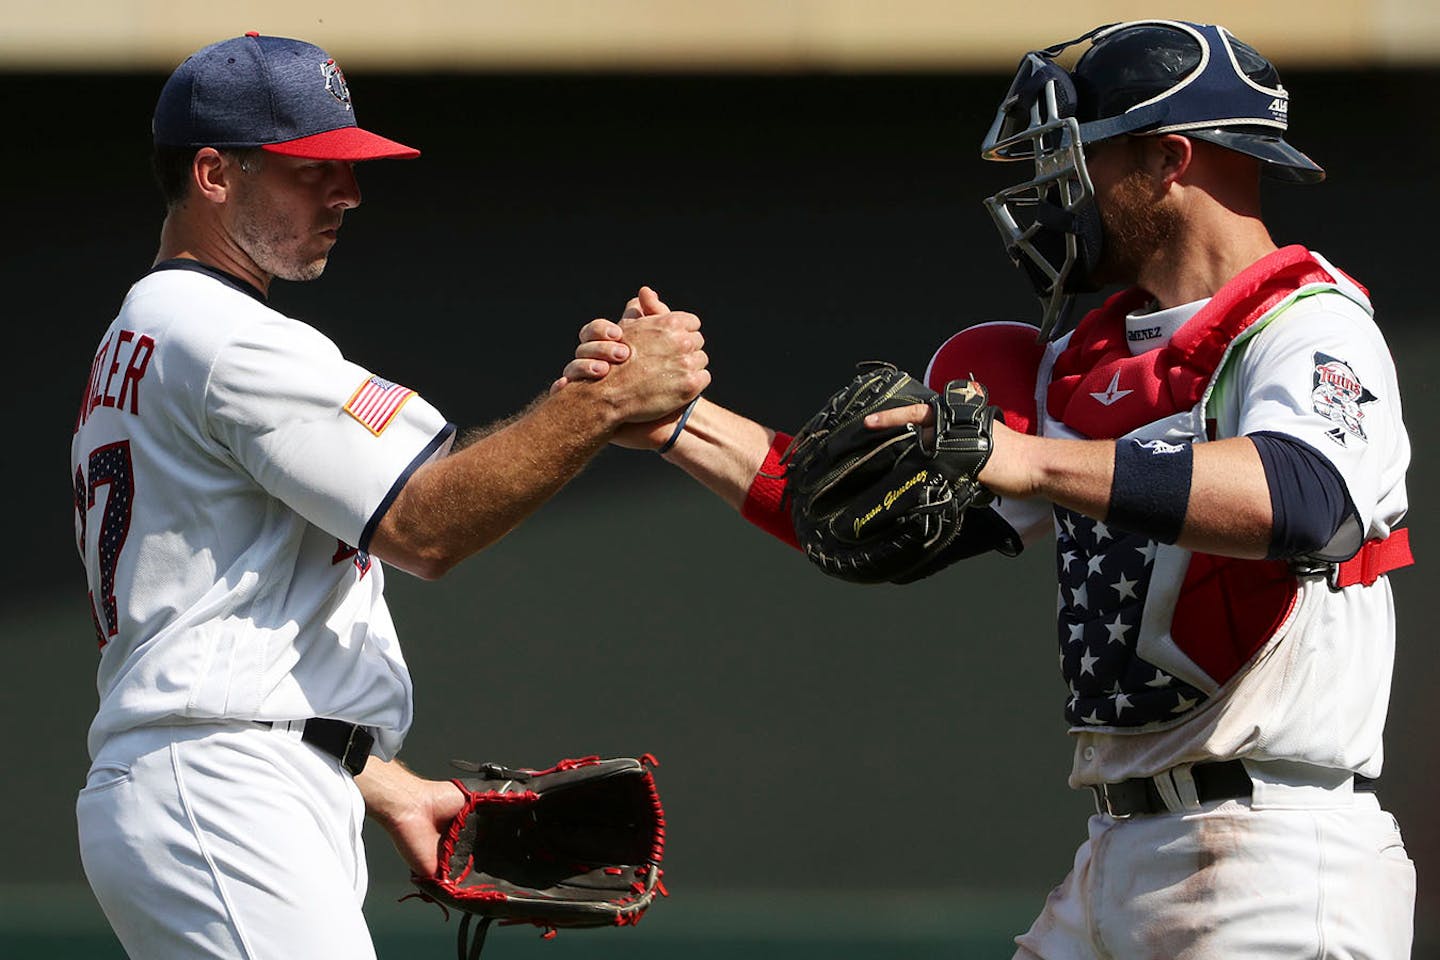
{"points": [[1016, 466], [678, 429], [391, 792], [590, 405]]}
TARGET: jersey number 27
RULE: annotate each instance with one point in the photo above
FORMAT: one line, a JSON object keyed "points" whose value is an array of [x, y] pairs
{"points": [[108, 465]]}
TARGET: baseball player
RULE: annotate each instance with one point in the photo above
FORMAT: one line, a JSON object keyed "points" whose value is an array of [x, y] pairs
{"points": [[1219, 453], [237, 485]]}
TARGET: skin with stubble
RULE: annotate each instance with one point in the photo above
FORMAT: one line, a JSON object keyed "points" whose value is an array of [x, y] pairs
{"points": [[1138, 224], [286, 212], [258, 215]]}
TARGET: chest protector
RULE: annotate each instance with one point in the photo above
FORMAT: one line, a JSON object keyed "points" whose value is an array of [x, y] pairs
{"points": [[1149, 632]]}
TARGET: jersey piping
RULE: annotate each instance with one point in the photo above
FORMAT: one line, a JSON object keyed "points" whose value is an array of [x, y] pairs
{"points": [[420, 460]]}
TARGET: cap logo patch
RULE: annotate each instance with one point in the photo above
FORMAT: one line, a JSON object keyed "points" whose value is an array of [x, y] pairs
{"points": [[1280, 108], [1337, 394], [335, 82]]}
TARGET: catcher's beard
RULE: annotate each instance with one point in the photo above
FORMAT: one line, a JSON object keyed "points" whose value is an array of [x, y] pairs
{"points": [[1139, 227]]}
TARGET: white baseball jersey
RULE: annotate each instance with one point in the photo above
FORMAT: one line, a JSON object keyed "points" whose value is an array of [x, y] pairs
{"points": [[230, 467]]}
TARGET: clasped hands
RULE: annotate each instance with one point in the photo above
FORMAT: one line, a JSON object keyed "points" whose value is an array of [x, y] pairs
{"points": [[608, 349], [655, 359]]}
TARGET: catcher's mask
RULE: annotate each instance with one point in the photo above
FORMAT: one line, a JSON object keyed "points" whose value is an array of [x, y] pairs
{"points": [[1143, 77]]}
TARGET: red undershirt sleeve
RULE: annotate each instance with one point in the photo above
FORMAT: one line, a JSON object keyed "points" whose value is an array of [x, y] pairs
{"points": [[765, 502]]}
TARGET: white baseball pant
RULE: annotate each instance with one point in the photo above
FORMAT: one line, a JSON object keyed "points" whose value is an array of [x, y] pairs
{"points": [[225, 840], [1320, 874]]}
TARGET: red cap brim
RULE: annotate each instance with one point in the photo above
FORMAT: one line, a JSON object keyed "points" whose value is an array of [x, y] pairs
{"points": [[346, 143]]}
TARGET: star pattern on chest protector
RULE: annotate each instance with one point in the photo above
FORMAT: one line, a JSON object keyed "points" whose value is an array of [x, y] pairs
{"points": [[1104, 580]]}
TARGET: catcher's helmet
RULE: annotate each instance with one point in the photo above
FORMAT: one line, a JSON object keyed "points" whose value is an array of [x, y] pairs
{"points": [[1143, 77]]}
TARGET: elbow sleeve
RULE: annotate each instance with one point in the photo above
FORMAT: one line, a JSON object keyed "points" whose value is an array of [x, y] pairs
{"points": [[1308, 499]]}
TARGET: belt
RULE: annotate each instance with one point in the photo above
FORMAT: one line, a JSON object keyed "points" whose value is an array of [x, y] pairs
{"points": [[349, 743], [1225, 780]]}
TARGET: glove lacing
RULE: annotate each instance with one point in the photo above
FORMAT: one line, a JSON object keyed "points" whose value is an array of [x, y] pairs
{"points": [[471, 951]]}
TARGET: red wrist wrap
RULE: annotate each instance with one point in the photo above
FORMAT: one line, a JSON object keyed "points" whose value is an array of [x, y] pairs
{"points": [[765, 502]]}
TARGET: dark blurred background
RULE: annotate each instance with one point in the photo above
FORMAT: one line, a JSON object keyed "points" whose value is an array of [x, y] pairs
{"points": [[819, 741]]}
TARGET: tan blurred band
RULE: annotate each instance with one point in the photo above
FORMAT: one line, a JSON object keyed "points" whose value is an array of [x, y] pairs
{"points": [[687, 35]]}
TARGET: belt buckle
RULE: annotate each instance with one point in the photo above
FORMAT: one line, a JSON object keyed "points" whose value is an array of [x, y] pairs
{"points": [[357, 749], [1320, 569]]}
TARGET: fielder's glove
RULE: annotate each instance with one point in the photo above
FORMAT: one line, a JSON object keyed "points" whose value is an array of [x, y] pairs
{"points": [[888, 505], [577, 845]]}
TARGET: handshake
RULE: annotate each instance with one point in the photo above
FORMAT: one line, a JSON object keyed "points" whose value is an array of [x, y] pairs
{"points": [[650, 367]]}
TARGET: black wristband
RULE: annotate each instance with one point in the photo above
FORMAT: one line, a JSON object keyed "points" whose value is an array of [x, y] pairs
{"points": [[1150, 491], [679, 427]]}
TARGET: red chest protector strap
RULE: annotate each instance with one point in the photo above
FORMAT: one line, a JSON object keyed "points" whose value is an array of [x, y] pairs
{"points": [[1375, 559], [1097, 362]]}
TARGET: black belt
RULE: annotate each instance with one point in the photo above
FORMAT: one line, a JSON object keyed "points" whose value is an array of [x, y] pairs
{"points": [[1226, 780], [347, 742]]}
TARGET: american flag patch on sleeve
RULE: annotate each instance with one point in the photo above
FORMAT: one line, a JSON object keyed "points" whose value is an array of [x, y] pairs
{"points": [[376, 402]]}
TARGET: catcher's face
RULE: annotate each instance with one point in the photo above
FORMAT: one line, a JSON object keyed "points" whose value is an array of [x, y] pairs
{"points": [[1138, 221], [285, 212]]}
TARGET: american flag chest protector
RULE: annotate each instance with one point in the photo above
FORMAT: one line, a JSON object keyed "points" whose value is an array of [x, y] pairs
{"points": [[1148, 632]]}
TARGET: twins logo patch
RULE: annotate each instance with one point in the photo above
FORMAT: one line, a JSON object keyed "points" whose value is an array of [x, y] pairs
{"points": [[1337, 394], [335, 82]]}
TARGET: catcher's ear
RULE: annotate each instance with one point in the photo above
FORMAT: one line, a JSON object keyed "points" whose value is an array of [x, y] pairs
{"points": [[1004, 356]]}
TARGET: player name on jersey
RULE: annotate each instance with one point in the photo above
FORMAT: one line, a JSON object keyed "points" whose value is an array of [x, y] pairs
{"points": [[102, 389]]}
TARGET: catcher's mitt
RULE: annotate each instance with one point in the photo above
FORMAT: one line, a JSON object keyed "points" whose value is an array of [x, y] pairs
{"points": [[886, 505], [577, 845]]}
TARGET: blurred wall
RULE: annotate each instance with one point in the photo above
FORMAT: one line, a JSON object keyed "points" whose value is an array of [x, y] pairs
{"points": [[812, 221], [647, 35]]}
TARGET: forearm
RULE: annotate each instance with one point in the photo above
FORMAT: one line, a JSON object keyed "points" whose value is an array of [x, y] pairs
{"points": [[722, 450], [1227, 511], [464, 502]]}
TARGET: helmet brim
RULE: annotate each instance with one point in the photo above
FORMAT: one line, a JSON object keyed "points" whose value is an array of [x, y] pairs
{"points": [[1278, 160]]}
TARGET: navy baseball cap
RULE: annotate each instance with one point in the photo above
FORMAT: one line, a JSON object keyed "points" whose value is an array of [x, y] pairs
{"points": [[284, 96]]}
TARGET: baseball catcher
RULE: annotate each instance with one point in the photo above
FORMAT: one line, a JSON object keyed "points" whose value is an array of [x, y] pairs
{"points": [[889, 505], [577, 845]]}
